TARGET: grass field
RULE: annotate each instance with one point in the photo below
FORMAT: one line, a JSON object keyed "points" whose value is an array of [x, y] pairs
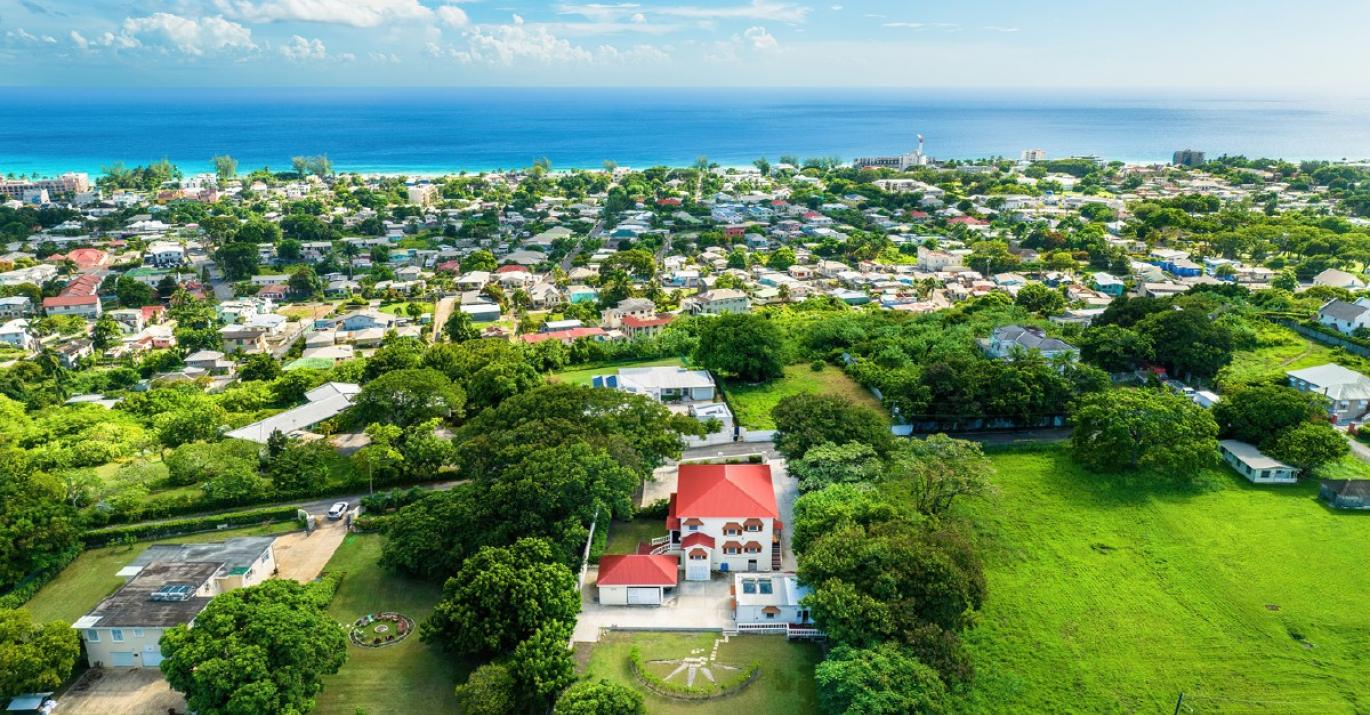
{"points": [[752, 404], [408, 677], [624, 536], [582, 375], [785, 687], [1282, 349], [91, 577], [1109, 594]]}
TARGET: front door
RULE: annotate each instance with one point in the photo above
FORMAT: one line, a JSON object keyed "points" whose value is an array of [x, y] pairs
{"points": [[751, 564]]}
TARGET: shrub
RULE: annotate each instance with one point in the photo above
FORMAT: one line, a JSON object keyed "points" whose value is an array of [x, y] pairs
{"points": [[177, 527]]}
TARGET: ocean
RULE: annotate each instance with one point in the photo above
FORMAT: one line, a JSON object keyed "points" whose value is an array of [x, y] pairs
{"points": [[428, 131]]}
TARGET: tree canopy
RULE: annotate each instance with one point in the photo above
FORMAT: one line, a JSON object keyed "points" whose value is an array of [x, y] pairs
{"points": [[263, 648], [1125, 429]]}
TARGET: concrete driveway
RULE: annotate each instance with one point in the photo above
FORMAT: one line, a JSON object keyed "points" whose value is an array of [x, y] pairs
{"points": [[301, 556], [135, 691], [699, 605]]}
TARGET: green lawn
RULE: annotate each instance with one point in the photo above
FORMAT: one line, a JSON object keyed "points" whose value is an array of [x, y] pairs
{"points": [[582, 375], [624, 536], [91, 577], [785, 687], [1109, 594], [408, 677], [401, 309], [752, 403], [1280, 350]]}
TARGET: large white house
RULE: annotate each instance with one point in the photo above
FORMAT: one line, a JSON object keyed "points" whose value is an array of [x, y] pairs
{"points": [[763, 602], [168, 585], [724, 517], [1347, 391]]}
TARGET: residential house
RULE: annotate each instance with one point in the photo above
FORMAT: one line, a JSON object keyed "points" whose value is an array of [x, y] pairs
{"points": [[641, 308], [663, 384], [1108, 284], [69, 354], [724, 517], [16, 333], [769, 603], [565, 337], [717, 302], [636, 327], [1254, 465], [1006, 341], [321, 403], [82, 306], [1338, 279], [636, 579], [164, 254], [167, 586], [211, 361], [1347, 391], [242, 338], [367, 320], [1345, 317], [15, 306]]}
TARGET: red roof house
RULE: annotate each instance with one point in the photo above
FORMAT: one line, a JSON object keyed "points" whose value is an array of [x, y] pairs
{"points": [[636, 579], [724, 517], [565, 336]]}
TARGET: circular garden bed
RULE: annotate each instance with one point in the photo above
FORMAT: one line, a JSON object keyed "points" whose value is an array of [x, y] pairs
{"points": [[377, 630]]}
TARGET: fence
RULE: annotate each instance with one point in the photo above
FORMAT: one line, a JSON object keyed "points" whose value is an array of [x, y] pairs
{"points": [[1325, 338]]}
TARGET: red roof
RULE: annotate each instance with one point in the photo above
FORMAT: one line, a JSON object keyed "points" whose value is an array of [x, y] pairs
{"points": [[82, 285], [65, 301], [725, 490], [635, 322], [637, 570], [668, 202], [967, 220], [513, 268], [572, 334], [151, 310], [698, 538]]}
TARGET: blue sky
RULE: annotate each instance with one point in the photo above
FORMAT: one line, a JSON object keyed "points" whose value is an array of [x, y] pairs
{"points": [[1251, 46]]}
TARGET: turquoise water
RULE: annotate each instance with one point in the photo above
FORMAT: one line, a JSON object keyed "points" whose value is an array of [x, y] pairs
{"points": [[439, 130]]}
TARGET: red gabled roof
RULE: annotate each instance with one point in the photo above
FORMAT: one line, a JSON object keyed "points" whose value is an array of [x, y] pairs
{"points": [[65, 301], [698, 538], [725, 490], [636, 322], [637, 570], [512, 268], [572, 334]]}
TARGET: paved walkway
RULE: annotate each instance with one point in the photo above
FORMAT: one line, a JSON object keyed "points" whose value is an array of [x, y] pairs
{"points": [[135, 691]]}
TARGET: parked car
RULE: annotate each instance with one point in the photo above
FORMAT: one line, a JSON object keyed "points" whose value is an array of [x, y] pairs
{"points": [[337, 510]]}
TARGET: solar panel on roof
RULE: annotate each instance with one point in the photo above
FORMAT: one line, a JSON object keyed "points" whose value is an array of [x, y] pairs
{"points": [[173, 592]]}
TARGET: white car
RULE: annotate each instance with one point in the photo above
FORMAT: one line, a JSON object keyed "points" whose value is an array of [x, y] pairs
{"points": [[337, 510]]}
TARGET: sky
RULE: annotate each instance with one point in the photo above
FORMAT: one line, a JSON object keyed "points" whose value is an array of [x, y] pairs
{"points": [[1245, 46]]}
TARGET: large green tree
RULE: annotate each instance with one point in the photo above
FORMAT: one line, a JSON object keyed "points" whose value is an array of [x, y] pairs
{"points": [[806, 421], [746, 346], [599, 697], [501, 597], [1256, 413], [1307, 446], [1126, 429], [882, 680], [34, 657], [830, 463], [406, 397], [937, 469], [259, 649]]}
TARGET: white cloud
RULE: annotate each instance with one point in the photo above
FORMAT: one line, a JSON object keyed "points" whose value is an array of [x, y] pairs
{"points": [[27, 37], [761, 39], [599, 12], [909, 25], [756, 10], [357, 13], [838, 8], [300, 49], [453, 16], [513, 43], [188, 35]]}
